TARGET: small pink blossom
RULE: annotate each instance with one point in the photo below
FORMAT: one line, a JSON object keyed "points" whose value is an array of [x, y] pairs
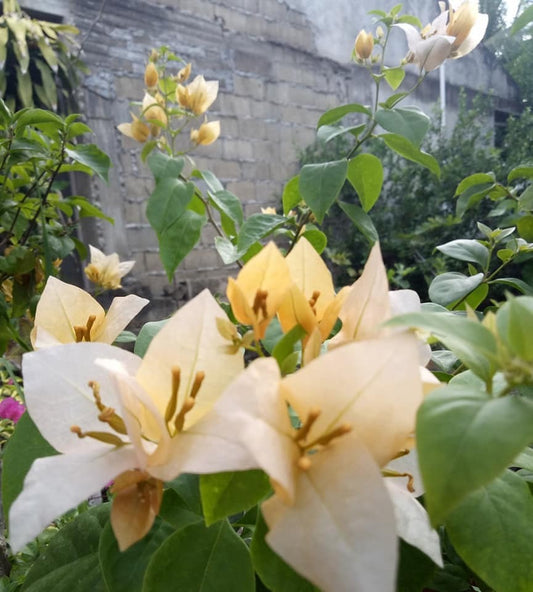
{"points": [[11, 409]]}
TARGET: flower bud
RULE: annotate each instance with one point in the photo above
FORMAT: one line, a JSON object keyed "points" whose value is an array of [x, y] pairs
{"points": [[150, 75], [364, 45], [184, 73], [380, 33]]}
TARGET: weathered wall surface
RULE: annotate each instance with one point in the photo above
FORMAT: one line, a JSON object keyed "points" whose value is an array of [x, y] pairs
{"points": [[280, 64]]}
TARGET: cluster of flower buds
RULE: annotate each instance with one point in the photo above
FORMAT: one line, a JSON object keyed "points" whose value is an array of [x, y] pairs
{"points": [[170, 97]]}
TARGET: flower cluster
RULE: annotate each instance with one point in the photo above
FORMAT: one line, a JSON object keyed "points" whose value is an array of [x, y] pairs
{"points": [[168, 99], [190, 406]]}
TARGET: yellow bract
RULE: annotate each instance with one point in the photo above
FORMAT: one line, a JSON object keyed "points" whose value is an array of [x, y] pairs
{"points": [[259, 289], [311, 301], [197, 96], [67, 314], [206, 134], [106, 271]]}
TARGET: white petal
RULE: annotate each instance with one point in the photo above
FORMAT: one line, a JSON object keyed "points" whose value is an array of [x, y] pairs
{"points": [[122, 310], [403, 301], [413, 523], [340, 532], [412, 34], [372, 385], [408, 464], [62, 307], [432, 52], [474, 37], [191, 341], [56, 484], [58, 396]]}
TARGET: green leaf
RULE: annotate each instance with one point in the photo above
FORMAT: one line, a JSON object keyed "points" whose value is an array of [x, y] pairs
{"points": [[365, 173], [226, 249], [24, 88], [291, 195], [210, 179], [411, 20], [197, 558], [520, 172], [525, 201], [146, 334], [361, 220], [452, 286], [524, 226], [49, 84], [515, 283], [474, 299], [466, 250], [473, 180], [320, 184], [470, 341], [78, 129], [123, 571], [465, 439], [273, 571], [471, 196], [393, 100], [178, 240], [90, 155], [337, 113], [36, 117], [515, 326], [316, 237], [230, 205], [394, 76], [163, 166], [285, 346], [326, 133], [22, 448], [88, 209], [408, 150], [491, 530], [70, 562], [168, 202], [523, 20], [255, 228], [409, 122], [415, 569], [225, 494]]}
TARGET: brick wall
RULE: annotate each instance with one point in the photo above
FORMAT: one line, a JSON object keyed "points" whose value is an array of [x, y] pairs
{"points": [[274, 85]]}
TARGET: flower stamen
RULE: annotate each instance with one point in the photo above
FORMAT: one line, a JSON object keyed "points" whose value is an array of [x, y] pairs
{"points": [[189, 402], [410, 478], [260, 303], [303, 432], [104, 437], [173, 401], [84, 333]]}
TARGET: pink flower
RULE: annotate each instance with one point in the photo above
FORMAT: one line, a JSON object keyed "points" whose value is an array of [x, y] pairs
{"points": [[11, 409]]}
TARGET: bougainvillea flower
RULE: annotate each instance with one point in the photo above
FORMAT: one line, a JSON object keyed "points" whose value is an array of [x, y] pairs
{"points": [[67, 314], [428, 49], [106, 271], [311, 301], [197, 96], [11, 409], [135, 129], [113, 416], [357, 405], [206, 134], [261, 285], [467, 25], [453, 34]]}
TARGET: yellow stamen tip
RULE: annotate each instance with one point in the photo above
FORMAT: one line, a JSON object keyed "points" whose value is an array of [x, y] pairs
{"points": [[304, 463]]}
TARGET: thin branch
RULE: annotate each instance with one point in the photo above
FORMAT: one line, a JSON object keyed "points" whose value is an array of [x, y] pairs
{"points": [[91, 27]]}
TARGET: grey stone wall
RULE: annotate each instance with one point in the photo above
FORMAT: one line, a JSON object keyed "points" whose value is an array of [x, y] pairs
{"points": [[280, 65]]}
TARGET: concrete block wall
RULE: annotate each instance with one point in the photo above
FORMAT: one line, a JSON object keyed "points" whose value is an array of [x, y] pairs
{"points": [[278, 68]]}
